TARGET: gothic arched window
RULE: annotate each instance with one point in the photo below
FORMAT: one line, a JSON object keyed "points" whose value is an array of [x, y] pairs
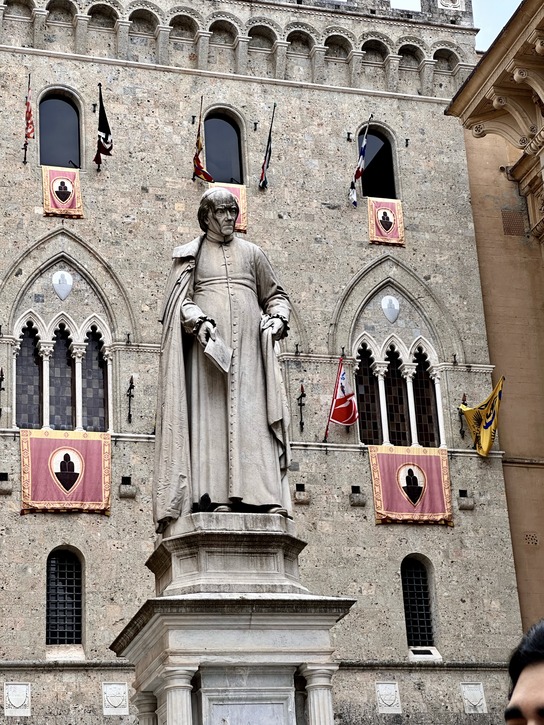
{"points": [[368, 400], [94, 383], [425, 403], [61, 382], [223, 148], [417, 603], [397, 401], [59, 131], [378, 178], [29, 380], [64, 606]]}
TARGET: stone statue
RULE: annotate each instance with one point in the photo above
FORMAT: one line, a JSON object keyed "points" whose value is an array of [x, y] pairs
{"points": [[221, 431]]}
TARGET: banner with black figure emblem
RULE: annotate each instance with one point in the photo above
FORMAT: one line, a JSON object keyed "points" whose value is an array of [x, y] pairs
{"points": [[61, 192], [65, 471]]}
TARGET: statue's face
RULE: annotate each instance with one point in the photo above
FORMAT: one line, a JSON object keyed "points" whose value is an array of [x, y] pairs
{"points": [[222, 217]]}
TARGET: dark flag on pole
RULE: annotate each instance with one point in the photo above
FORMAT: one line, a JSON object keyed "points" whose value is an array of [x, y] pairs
{"points": [[104, 145], [263, 181], [29, 120], [198, 167]]}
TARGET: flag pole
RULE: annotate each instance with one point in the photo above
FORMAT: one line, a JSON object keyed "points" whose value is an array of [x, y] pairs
{"points": [[263, 182], [333, 398], [25, 145]]}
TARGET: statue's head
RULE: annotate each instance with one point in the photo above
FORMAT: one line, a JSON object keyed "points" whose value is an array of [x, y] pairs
{"points": [[214, 199]]}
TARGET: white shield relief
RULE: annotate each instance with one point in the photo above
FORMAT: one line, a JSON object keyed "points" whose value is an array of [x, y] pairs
{"points": [[390, 307], [62, 283], [473, 697], [17, 699], [115, 698], [387, 695]]}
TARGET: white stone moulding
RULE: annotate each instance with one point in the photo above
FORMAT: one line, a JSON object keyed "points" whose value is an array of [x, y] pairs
{"points": [[388, 698], [473, 698], [17, 699], [115, 698]]}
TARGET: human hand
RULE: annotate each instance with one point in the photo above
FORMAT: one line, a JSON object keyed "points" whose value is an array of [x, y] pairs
{"points": [[205, 331], [277, 325]]}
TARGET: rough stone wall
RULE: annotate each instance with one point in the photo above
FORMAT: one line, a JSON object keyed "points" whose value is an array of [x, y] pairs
{"points": [[143, 203]]}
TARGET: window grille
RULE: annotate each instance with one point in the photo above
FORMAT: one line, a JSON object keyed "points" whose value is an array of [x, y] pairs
{"points": [[59, 131], [417, 605], [64, 598], [425, 403], [397, 401], [223, 149], [94, 384], [368, 400], [61, 381], [28, 380]]}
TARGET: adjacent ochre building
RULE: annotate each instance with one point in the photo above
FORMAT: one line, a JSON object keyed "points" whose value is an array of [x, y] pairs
{"points": [[437, 606]]}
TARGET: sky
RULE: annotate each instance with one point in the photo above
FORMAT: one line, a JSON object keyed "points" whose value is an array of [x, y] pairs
{"points": [[489, 15]]}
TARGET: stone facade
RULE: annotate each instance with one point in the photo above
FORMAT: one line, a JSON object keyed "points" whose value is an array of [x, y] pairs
{"points": [[327, 66]]}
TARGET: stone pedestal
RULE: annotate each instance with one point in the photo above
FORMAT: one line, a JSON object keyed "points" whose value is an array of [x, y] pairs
{"points": [[232, 628]]}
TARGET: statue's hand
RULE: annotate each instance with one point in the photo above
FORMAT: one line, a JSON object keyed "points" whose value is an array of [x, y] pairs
{"points": [[205, 331], [276, 324]]}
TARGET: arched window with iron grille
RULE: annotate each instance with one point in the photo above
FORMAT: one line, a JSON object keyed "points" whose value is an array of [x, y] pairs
{"points": [[417, 603], [64, 606]]}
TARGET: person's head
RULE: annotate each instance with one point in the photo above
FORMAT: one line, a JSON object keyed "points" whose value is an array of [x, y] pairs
{"points": [[526, 670], [218, 211]]}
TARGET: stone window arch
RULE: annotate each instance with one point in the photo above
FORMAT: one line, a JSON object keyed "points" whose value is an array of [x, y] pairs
{"points": [[59, 125], [64, 598], [223, 145], [378, 179], [417, 602]]}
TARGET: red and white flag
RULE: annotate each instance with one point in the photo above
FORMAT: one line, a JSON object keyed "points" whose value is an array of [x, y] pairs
{"points": [[352, 194], [29, 118], [199, 170], [344, 406]]}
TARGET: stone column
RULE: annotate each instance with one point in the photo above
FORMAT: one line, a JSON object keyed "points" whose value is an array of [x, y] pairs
{"points": [[39, 17], [122, 28], [279, 49], [408, 370], [355, 60], [380, 370], [15, 349], [426, 76], [146, 704], [392, 72], [45, 349], [178, 695], [319, 689], [317, 56], [241, 45], [78, 352], [202, 40], [162, 39], [81, 24], [435, 377], [461, 72], [2, 11], [106, 354]]}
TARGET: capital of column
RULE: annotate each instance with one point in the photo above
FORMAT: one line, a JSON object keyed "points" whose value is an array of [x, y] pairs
{"points": [[15, 347], [80, 19], [408, 370], [146, 704], [379, 368], [78, 350], [318, 676], [202, 34], [434, 374], [45, 349], [39, 13], [119, 24], [163, 30], [179, 678]]}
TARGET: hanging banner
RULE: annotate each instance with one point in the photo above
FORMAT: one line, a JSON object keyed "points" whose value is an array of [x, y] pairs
{"points": [[411, 485], [385, 221], [61, 192], [65, 471], [239, 191]]}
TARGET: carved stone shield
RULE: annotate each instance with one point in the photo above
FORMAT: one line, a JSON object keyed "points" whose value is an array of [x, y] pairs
{"points": [[17, 695], [391, 308], [62, 283]]}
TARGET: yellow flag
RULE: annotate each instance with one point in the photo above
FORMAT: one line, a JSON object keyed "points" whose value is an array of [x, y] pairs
{"points": [[483, 420]]}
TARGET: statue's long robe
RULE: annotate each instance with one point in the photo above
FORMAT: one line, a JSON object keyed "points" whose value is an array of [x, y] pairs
{"points": [[219, 433]]}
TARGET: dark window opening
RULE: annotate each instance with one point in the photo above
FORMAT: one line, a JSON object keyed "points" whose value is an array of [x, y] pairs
{"points": [[223, 149], [61, 382], [378, 178], [59, 132], [29, 380], [417, 605], [94, 383], [397, 402], [368, 400], [64, 598], [425, 403]]}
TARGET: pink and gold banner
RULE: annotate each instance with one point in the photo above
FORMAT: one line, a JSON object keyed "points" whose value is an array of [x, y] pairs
{"points": [[385, 221], [239, 191], [61, 192], [411, 485], [65, 471]]}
